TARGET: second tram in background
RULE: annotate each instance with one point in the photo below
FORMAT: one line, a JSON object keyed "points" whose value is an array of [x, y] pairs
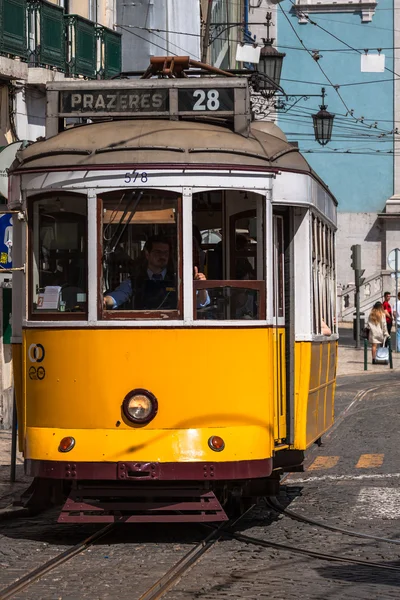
{"points": [[178, 396]]}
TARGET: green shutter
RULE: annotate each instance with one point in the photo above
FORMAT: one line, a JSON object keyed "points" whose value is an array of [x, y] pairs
{"points": [[13, 18], [110, 60], [81, 37], [46, 30]]}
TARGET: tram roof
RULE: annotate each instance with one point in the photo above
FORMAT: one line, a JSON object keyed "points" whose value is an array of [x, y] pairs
{"points": [[162, 142]]}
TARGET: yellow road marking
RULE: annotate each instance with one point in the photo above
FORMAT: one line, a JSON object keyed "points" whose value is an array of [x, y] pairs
{"points": [[324, 462], [368, 461]]}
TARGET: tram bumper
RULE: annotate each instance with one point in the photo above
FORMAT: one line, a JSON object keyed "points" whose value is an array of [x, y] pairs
{"points": [[150, 471]]}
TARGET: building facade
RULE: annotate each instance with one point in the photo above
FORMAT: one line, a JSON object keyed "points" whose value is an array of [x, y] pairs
{"points": [[347, 48], [41, 41], [157, 28], [224, 26]]}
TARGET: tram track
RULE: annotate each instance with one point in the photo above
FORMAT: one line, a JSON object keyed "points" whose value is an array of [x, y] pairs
{"points": [[21, 584], [226, 530], [160, 587], [156, 590], [255, 541], [272, 503]]}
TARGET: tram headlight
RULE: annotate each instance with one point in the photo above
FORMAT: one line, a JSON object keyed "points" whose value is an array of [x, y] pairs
{"points": [[140, 406]]}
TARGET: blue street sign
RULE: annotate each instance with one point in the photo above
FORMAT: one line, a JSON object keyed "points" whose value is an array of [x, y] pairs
{"points": [[6, 236]]}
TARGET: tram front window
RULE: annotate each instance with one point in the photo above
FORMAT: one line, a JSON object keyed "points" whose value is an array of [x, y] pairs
{"points": [[230, 247], [59, 239], [140, 254]]}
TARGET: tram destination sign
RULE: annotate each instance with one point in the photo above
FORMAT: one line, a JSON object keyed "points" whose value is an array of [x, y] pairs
{"points": [[148, 98], [114, 101]]}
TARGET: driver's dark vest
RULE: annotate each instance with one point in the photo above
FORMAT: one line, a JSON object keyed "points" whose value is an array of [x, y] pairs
{"points": [[148, 294]]}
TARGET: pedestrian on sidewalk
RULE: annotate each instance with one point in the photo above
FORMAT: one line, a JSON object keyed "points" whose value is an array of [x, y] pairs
{"points": [[387, 307], [377, 326]]}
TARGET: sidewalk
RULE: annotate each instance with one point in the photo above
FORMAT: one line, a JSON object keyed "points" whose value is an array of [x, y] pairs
{"points": [[8, 490], [350, 362]]}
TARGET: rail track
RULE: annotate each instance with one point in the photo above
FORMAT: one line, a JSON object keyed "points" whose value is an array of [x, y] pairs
{"points": [[305, 551], [157, 590], [227, 530], [25, 581], [272, 503]]}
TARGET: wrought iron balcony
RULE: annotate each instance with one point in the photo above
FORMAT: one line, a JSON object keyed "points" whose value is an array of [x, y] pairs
{"points": [[42, 34]]}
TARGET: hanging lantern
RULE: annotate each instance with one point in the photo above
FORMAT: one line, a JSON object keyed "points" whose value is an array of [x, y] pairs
{"points": [[323, 123], [270, 65]]}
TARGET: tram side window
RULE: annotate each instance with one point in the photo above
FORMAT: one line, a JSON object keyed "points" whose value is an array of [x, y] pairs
{"points": [[228, 248], [140, 241], [323, 275], [59, 261]]}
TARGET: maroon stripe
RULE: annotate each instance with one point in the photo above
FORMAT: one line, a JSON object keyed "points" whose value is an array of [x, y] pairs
{"points": [[146, 471]]}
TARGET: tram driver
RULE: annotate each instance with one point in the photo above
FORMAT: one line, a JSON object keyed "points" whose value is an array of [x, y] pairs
{"points": [[153, 285]]}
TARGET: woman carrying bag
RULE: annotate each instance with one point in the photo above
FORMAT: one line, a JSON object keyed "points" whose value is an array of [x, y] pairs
{"points": [[378, 329]]}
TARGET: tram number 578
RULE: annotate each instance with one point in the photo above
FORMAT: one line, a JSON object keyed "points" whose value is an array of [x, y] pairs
{"points": [[136, 177]]}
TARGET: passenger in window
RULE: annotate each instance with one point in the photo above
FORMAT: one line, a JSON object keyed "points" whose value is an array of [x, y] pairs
{"points": [[153, 285]]}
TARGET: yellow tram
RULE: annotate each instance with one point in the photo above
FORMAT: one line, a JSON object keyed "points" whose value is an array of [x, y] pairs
{"points": [[160, 399]]}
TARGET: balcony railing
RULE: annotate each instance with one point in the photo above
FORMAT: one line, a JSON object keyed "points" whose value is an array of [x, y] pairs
{"points": [[46, 35], [42, 33]]}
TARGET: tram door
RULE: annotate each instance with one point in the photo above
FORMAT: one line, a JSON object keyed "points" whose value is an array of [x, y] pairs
{"points": [[278, 272]]}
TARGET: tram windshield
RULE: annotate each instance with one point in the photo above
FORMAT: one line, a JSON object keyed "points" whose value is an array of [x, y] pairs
{"points": [[140, 237], [228, 232], [59, 236]]}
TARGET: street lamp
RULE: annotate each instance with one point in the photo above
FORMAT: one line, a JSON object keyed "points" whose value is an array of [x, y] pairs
{"points": [[323, 123], [270, 65]]}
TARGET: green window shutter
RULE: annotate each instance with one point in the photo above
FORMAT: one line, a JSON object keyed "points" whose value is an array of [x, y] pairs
{"points": [[81, 46], [13, 19], [47, 34]]}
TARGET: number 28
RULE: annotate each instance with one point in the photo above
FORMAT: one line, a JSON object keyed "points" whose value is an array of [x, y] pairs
{"points": [[206, 101]]}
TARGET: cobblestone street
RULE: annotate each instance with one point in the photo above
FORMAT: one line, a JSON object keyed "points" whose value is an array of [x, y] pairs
{"points": [[351, 481]]}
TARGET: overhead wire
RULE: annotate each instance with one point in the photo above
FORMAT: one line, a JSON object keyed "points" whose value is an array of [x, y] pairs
{"points": [[330, 83], [350, 112], [312, 22], [145, 39]]}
